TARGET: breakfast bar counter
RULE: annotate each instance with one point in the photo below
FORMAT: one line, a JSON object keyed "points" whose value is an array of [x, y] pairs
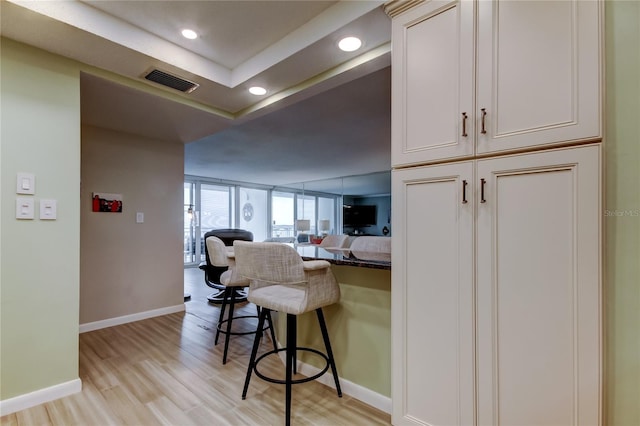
{"points": [[345, 256], [359, 325]]}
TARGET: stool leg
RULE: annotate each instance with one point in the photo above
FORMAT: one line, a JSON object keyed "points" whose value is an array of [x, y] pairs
{"points": [[229, 321], [254, 351], [327, 345], [294, 339], [273, 334], [225, 298], [290, 364]]}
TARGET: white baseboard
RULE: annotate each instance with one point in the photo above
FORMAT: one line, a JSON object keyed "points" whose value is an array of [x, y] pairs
{"points": [[97, 325], [28, 400], [354, 390]]}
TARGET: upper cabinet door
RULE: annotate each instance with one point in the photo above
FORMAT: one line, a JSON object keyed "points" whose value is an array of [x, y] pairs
{"points": [[432, 82], [539, 73]]}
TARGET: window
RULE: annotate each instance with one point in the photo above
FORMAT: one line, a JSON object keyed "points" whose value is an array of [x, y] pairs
{"points": [[254, 212], [282, 214], [265, 212], [307, 210], [215, 207], [327, 211], [189, 228], [212, 207]]}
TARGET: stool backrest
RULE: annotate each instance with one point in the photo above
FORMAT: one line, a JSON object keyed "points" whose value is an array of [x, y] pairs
{"points": [[372, 244], [227, 236], [372, 248], [217, 251], [268, 262], [335, 241]]}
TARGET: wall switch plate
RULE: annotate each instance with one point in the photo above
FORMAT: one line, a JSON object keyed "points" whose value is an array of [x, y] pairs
{"points": [[26, 183], [48, 209], [24, 207], [139, 217]]}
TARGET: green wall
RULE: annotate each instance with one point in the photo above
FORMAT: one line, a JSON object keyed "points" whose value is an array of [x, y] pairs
{"points": [[359, 328], [622, 213], [39, 278]]}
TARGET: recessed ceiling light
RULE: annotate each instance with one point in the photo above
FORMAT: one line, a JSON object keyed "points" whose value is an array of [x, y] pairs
{"points": [[349, 44], [190, 34], [256, 90]]}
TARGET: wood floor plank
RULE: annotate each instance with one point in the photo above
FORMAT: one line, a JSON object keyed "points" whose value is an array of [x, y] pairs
{"points": [[225, 416], [127, 407], [12, 419], [168, 386], [168, 413], [90, 407], [209, 395], [137, 383], [95, 368], [37, 416]]}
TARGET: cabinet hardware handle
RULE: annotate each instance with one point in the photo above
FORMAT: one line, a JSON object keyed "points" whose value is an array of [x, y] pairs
{"points": [[464, 124], [484, 114], [482, 182], [464, 192]]}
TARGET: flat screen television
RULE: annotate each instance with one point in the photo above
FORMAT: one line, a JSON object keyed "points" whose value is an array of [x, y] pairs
{"points": [[356, 216]]}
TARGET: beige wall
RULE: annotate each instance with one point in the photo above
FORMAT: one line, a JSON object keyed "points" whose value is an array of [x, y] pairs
{"points": [[622, 213], [128, 267], [39, 260]]}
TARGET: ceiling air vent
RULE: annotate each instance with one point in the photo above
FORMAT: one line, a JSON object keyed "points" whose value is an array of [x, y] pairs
{"points": [[172, 81]]}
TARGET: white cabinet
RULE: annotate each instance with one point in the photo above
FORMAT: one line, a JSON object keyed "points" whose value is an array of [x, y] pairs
{"points": [[432, 82], [539, 73], [494, 76], [538, 284], [496, 300], [432, 308]]}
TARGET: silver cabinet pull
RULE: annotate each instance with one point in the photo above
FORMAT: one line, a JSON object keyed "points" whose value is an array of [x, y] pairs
{"points": [[484, 114], [464, 124]]}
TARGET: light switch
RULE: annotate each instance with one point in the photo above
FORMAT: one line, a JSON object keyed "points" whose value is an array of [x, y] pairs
{"points": [[48, 209], [139, 217], [26, 183], [24, 208]]}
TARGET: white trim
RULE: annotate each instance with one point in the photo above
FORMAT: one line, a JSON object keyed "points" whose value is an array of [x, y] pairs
{"points": [[94, 21], [354, 390], [97, 325], [31, 399]]}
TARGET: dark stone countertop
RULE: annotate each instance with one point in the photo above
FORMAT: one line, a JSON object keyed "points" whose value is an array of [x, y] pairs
{"points": [[337, 256]]}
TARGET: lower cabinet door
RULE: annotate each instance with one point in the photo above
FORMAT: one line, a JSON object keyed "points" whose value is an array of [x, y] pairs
{"points": [[539, 288], [432, 295]]}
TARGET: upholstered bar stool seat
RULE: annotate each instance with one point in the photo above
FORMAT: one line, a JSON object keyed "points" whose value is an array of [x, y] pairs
{"points": [[281, 281], [221, 256]]}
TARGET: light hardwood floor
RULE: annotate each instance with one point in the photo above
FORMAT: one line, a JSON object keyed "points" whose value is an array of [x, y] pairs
{"points": [[167, 371]]}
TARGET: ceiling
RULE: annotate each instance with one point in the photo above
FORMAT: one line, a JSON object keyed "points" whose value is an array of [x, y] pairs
{"points": [[326, 113]]}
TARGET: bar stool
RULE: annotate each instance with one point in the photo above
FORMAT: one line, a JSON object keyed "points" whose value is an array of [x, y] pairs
{"points": [[281, 281], [212, 273], [220, 256]]}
